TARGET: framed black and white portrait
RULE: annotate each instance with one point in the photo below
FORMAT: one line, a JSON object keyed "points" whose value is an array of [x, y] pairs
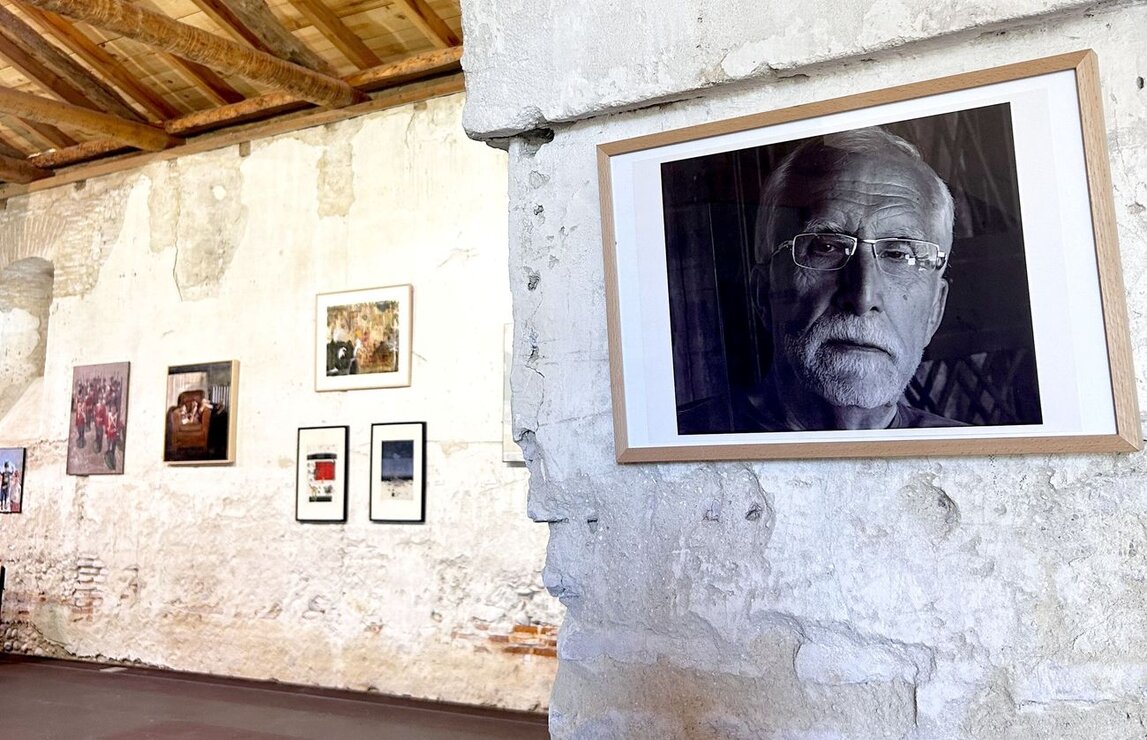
{"points": [[929, 269]]}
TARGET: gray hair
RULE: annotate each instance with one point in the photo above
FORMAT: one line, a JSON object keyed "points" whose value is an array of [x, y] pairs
{"points": [[823, 155]]}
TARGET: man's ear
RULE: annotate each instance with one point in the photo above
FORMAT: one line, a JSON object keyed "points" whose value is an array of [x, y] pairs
{"points": [[759, 291], [938, 305]]}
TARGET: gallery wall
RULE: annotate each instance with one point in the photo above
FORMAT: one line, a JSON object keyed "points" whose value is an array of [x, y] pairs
{"points": [[219, 256], [941, 596]]}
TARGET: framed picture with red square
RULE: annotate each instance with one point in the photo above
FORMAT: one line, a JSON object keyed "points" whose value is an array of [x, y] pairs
{"points": [[320, 486]]}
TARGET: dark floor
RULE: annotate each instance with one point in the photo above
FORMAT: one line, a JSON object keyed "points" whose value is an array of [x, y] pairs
{"points": [[64, 700]]}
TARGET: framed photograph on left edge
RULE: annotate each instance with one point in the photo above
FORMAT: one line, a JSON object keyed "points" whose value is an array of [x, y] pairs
{"points": [[199, 417], [12, 479], [398, 472], [97, 432], [362, 339], [321, 480], [928, 269]]}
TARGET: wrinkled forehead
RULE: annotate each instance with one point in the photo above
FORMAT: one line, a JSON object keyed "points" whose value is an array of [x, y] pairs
{"points": [[881, 189]]}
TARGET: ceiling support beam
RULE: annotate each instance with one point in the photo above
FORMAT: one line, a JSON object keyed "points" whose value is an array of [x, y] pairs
{"points": [[102, 62], [224, 55], [429, 23], [91, 88], [252, 21], [337, 32], [42, 110], [20, 170]]}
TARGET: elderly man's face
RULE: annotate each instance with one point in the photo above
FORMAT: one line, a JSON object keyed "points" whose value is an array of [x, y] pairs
{"points": [[855, 336]]}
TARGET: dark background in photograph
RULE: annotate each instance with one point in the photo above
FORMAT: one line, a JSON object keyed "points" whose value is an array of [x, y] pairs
{"points": [[980, 366], [207, 437], [398, 460]]}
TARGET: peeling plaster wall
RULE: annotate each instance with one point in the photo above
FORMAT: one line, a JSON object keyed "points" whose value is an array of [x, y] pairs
{"points": [[993, 597], [217, 256]]}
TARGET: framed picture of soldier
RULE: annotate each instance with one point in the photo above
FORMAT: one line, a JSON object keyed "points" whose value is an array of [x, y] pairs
{"points": [[97, 428], [321, 474], [927, 269], [398, 472], [362, 339], [12, 461], [199, 415]]}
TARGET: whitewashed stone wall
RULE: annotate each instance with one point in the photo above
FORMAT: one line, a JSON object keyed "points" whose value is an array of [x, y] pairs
{"points": [[218, 256], [988, 597]]}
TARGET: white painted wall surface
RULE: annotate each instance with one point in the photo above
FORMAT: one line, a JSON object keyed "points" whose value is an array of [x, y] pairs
{"points": [[218, 257], [988, 597]]}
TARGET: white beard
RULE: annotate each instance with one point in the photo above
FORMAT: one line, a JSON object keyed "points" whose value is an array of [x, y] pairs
{"points": [[851, 377]]}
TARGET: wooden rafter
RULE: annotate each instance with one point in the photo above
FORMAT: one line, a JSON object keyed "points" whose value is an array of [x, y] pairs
{"points": [[205, 79], [20, 170], [103, 62], [337, 32], [47, 132], [8, 150], [253, 22], [45, 111], [188, 42], [61, 68], [429, 23]]}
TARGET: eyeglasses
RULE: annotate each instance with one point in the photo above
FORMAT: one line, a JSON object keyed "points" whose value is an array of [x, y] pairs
{"points": [[894, 256]]}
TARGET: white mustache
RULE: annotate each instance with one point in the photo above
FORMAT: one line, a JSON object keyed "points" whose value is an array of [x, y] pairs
{"points": [[851, 330]]}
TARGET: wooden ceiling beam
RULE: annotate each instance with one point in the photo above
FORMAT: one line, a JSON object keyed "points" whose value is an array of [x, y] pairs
{"points": [[103, 62], [188, 42], [38, 73], [254, 22], [408, 69], [42, 110], [61, 66], [20, 170], [205, 79], [429, 23], [8, 150], [337, 32], [56, 138]]}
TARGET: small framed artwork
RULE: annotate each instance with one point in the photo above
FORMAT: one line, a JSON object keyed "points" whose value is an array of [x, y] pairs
{"points": [[362, 339], [12, 479], [398, 472], [929, 269], [97, 431], [321, 480], [199, 417]]}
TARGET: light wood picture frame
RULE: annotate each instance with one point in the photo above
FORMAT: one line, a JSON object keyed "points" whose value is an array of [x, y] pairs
{"points": [[398, 472], [200, 414], [321, 474], [929, 269], [363, 338]]}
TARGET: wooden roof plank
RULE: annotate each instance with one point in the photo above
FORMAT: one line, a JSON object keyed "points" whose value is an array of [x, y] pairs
{"points": [[205, 79], [159, 31], [91, 87], [253, 22], [20, 171], [337, 32], [103, 62], [47, 132], [9, 150], [42, 110], [429, 23]]}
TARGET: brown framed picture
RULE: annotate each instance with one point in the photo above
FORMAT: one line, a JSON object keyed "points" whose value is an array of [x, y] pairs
{"points": [[97, 430], [926, 269], [199, 416], [362, 339]]}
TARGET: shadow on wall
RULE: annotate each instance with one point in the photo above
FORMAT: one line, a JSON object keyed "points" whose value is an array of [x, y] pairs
{"points": [[25, 297]]}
